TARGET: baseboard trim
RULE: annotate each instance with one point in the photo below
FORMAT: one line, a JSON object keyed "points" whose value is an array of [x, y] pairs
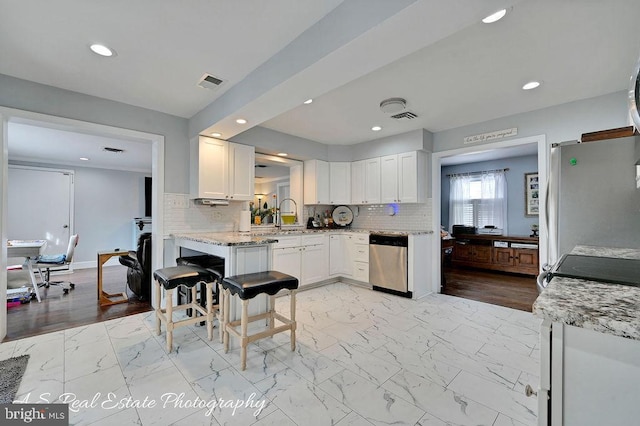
{"points": [[94, 263]]}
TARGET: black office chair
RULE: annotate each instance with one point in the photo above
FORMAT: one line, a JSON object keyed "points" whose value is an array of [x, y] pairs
{"points": [[139, 264]]}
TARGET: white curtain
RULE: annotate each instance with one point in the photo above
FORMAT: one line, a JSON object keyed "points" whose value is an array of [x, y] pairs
{"points": [[459, 201], [479, 200]]}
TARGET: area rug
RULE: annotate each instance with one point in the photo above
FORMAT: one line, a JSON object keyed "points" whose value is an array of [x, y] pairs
{"points": [[11, 371]]}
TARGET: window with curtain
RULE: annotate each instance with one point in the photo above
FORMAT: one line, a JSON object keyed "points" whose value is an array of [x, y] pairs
{"points": [[478, 199]]}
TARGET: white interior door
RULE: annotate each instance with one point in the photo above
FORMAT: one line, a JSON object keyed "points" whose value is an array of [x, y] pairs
{"points": [[39, 204]]}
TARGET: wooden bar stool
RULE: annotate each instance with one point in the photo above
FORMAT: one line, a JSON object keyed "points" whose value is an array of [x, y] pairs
{"points": [[246, 287], [188, 276]]}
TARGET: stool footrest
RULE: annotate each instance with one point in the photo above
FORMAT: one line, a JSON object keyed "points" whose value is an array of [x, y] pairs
{"points": [[261, 334]]}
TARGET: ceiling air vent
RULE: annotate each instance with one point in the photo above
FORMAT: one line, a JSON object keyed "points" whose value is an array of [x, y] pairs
{"points": [[406, 115], [207, 81], [114, 150]]}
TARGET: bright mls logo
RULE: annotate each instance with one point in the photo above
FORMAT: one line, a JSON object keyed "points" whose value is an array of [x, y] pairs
{"points": [[34, 414]]}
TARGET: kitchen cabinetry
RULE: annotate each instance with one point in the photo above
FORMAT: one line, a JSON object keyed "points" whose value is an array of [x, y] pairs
{"points": [[337, 255], [306, 258], [222, 170], [365, 181], [316, 182], [241, 172], [587, 377], [403, 178], [339, 183], [508, 254], [349, 256], [359, 246]]}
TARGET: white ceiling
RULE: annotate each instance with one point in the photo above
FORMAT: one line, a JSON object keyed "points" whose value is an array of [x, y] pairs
{"points": [[163, 46], [578, 49], [41, 143], [452, 69]]}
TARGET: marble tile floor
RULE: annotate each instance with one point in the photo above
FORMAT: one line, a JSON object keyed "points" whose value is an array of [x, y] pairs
{"points": [[362, 358]]}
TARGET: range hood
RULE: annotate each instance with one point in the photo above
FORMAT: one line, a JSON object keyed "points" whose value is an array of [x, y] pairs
{"points": [[210, 202]]}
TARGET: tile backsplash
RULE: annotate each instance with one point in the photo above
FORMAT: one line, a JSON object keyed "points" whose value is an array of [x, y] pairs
{"points": [[182, 215], [406, 217]]}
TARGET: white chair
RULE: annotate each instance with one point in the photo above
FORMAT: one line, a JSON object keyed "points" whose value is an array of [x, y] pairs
{"points": [[53, 262]]}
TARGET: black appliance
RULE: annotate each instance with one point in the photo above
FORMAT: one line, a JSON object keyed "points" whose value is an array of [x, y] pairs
{"points": [[462, 230], [595, 268]]}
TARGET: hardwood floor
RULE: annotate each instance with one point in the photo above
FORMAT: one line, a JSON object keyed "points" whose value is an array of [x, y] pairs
{"points": [[498, 288], [80, 307]]}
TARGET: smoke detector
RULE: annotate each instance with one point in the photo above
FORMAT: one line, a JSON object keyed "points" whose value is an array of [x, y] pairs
{"points": [[207, 81], [393, 105]]}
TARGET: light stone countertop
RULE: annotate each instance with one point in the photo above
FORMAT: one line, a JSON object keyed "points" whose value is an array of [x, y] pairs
{"points": [[270, 235], [228, 238], [607, 308]]}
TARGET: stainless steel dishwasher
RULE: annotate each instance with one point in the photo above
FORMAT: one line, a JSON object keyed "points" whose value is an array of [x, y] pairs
{"points": [[388, 263]]}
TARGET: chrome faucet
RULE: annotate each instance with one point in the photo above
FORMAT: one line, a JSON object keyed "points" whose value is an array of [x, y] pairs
{"points": [[279, 224]]}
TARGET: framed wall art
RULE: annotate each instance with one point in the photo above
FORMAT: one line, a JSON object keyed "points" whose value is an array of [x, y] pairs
{"points": [[531, 194]]}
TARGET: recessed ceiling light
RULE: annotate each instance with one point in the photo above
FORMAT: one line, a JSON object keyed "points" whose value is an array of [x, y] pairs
{"points": [[216, 134], [308, 101], [84, 158], [241, 121], [282, 154], [531, 85], [102, 50], [494, 17], [376, 128]]}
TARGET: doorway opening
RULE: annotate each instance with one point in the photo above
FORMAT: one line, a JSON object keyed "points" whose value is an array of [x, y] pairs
{"points": [[485, 264], [156, 155]]}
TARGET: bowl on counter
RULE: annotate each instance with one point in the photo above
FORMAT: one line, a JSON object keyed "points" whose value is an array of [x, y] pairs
{"points": [[288, 219]]}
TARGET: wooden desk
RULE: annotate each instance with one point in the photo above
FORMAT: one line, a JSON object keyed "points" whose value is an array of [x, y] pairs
{"points": [[104, 298], [29, 249]]}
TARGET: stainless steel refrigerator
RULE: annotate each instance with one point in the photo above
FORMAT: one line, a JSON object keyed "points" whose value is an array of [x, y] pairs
{"points": [[592, 195]]}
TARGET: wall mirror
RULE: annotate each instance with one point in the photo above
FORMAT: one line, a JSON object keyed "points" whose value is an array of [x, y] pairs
{"points": [[634, 95], [278, 180]]}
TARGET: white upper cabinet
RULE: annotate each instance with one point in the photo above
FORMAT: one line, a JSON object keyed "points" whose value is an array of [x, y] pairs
{"points": [[241, 172], [339, 183], [403, 178], [316, 182], [222, 170], [389, 179], [209, 175], [365, 181], [408, 178]]}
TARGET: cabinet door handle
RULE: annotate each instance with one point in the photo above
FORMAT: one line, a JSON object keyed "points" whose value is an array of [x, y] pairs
{"points": [[528, 390]]}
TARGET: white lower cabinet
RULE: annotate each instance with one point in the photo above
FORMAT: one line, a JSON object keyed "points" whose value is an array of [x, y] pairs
{"points": [[340, 263], [305, 258], [287, 261], [314, 263], [360, 255], [314, 258], [590, 377], [349, 256]]}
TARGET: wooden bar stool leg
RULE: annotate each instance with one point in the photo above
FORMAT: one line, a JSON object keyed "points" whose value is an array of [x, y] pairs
{"points": [[272, 309], [194, 300], [244, 322], [292, 317], [169, 320], [227, 296], [158, 305], [209, 310], [220, 311]]}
